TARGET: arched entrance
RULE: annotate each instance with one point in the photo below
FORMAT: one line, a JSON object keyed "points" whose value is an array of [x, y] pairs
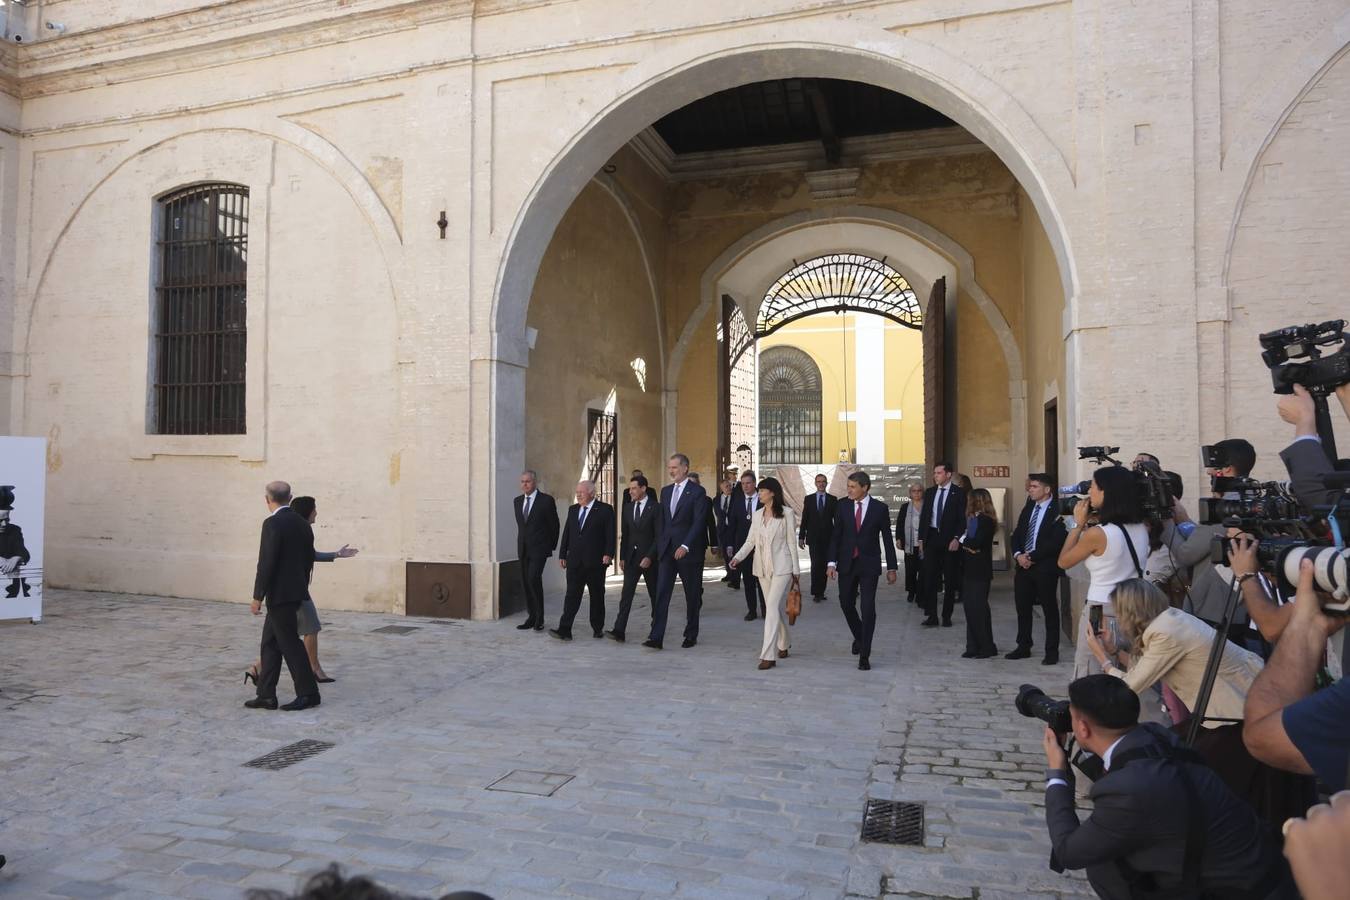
{"points": [[500, 362]]}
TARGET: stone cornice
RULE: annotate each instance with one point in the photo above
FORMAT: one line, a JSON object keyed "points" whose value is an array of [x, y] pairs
{"points": [[800, 157], [198, 39]]}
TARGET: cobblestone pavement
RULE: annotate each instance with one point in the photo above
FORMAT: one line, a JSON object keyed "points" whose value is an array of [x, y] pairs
{"points": [[692, 774]]}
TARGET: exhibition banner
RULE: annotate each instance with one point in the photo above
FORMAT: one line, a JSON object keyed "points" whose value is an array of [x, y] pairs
{"points": [[23, 482]]}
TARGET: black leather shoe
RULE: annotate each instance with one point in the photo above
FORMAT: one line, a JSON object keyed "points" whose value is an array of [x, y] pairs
{"points": [[525, 626], [653, 645], [969, 654], [688, 642], [261, 703], [985, 655], [539, 627], [302, 702], [1051, 660], [616, 635], [818, 599], [946, 623], [749, 617], [854, 651], [553, 632], [863, 664], [598, 634], [930, 622], [1019, 653]]}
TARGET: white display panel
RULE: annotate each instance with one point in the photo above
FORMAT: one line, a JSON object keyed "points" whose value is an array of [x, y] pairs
{"points": [[23, 471]]}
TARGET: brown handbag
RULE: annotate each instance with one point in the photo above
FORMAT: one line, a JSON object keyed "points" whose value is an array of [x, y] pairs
{"points": [[794, 601]]}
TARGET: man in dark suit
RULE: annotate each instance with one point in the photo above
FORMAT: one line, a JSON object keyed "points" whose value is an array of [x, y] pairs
{"points": [[816, 530], [722, 510], [585, 553], [637, 550], [944, 520], [1036, 543], [536, 536], [679, 551], [285, 560], [743, 505], [1163, 824], [651, 491], [1306, 459], [859, 523]]}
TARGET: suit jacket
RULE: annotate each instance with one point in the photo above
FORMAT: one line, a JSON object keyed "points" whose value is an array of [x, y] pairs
{"points": [[977, 559], [585, 544], [540, 534], [1175, 649], [1050, 536], [876, 526], [686, 525], [741, 514], [724, 521], [1137, 817], [285, 559], [953, 523], [817, 527], [772, 545], [1308, 464], [639, 538]]}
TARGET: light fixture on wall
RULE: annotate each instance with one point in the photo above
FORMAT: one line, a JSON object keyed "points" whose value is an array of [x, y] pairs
{"points": [[442, 223], [609, 168]]}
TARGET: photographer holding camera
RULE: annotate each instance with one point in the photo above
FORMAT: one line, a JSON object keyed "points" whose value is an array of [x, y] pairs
{"points": [[1113, 548], [1162, 824], [1207, 596], [1306, 458]]}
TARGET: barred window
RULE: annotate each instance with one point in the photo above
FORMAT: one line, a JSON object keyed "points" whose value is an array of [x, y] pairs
{"points": [[199, 321]]}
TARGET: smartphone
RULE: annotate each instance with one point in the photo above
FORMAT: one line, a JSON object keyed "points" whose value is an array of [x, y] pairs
{"points": [[1095, 618]]}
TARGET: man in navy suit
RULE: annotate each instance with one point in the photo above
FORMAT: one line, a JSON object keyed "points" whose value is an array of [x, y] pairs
{"points": [[585, 553], [944, 520], [855, 559], [679, 551], [1036, 544], [744, 503]]}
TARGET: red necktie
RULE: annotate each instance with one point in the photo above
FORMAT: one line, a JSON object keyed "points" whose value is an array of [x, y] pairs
{"points": [[857, 524]]}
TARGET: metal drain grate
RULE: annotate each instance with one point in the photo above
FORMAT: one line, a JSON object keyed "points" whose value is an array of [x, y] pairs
{"points": [[893, 822], [289, 755], [540, 784], [395, 629]]}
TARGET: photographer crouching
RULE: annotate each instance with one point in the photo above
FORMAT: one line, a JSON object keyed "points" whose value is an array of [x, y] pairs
{"points": [[1163, 824]]}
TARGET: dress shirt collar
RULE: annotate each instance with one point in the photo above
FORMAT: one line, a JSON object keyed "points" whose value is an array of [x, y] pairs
{"points": [[280, 508], [1106, 757], [531, 495]]}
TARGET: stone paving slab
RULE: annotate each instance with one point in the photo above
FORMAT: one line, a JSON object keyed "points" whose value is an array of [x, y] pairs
{"points": [[691, 773]]}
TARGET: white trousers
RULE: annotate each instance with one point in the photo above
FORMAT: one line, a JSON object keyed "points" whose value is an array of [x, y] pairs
{"points": [[775, 615], [1084, 663]]}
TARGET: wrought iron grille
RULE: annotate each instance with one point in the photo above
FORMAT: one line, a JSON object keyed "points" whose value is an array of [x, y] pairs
{"points": [[789, 407], [289, 755], [893, 822], [740, 345], [602, 454], [200, 305], [836, 283]]}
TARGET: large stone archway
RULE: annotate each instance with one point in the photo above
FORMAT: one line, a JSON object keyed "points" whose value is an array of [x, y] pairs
{"points": [[665, 83]]}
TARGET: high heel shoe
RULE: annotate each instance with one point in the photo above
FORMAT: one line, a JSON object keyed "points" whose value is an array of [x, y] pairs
{"points": [[250, 674]]}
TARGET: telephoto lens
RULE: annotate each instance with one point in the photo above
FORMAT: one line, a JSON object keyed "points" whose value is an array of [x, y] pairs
{"points": [[1329, 572], [1033, 703]]}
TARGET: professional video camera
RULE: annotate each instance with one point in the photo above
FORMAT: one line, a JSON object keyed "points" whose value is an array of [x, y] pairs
{"points": [[1153, 487], [1321, 375], [1033, 703]]}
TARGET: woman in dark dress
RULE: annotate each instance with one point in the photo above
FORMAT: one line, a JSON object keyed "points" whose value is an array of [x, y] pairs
{"points": [[977, 573]]}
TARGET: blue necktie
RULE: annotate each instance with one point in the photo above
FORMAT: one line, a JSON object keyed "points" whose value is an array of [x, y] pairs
{"points": [[820, 502], [1031, 534], [581, 519]]}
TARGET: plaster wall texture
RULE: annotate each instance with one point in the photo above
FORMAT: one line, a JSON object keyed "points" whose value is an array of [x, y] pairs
{"points": [[1182, 157]]}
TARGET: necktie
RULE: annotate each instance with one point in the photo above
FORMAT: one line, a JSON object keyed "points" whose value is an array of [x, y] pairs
{"points": [[937, 507], [581, 519], [675, 499], [820, 502], [857, 524], [526, 513], [637, 510], [1031, 532]]}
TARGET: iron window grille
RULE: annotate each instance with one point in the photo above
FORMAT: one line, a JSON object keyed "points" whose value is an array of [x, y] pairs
{"points": [[789, 407], [839, 282], [200, 325]]}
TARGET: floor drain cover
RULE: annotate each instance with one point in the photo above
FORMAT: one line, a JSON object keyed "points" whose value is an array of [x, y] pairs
{"points": [[893, 822], [541, 784], [289, 755], [395, 629]]}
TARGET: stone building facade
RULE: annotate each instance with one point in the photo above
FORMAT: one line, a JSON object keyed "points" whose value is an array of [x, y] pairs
{"points": [[461, 235]]}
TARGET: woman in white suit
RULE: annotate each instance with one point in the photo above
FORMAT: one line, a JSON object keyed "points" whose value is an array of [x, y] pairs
{"points": [[773, 540]]}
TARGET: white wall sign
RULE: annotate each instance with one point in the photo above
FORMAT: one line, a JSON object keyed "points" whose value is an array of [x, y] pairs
{"points": [[23, 482]]}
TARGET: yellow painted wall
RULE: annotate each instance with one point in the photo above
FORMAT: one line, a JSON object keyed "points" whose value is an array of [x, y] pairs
{"points": [[830, 340], [1043, 333], [972, 198]]}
